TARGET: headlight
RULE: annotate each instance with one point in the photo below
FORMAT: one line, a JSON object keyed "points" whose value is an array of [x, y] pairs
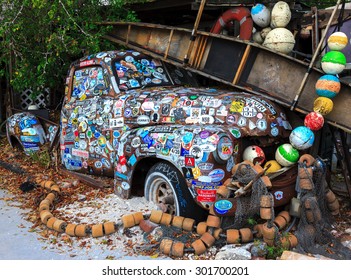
{"points": [[224, 149]]}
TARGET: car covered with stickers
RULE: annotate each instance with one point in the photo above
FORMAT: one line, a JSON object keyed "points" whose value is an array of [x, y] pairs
{"points": [[151, 127]]}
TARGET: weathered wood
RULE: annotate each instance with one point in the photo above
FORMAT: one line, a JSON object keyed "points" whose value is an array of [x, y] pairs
{"points": [[86, 179], [265, 73], [12, 168], [242, 64]]}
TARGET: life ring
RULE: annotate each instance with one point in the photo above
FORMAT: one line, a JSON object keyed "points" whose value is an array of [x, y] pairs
{"points": [[240, 14]]}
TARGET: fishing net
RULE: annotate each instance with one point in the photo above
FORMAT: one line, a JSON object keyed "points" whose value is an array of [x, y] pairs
{"points": [[316, 221], [247, 205]]}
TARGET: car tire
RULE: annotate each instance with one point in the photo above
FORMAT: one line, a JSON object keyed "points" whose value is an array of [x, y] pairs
{"points": [[166, 187]]}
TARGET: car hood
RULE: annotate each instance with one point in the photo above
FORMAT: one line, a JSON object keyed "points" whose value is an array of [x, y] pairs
{"points": [[244, 114]]}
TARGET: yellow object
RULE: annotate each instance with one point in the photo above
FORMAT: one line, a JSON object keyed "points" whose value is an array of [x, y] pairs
{"points": [[323, 105], [275, 166]]}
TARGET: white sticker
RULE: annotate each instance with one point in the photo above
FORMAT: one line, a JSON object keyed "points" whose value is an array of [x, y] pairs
{"points": [[142, 120], [117, 122]]}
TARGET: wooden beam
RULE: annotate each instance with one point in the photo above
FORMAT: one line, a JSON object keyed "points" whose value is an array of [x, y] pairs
{"points": [[242, 64]]}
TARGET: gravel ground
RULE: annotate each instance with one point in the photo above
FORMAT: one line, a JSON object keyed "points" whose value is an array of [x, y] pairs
{"points": [[19, 241]]}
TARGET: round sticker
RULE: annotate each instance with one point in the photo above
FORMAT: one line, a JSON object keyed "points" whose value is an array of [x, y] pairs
{"points": [[216, 175], [222, 206], [197, 152], [98, 164], [125, 186]]}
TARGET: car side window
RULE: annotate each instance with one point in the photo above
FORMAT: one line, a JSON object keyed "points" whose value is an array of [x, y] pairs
{"points": [[89, 82]]}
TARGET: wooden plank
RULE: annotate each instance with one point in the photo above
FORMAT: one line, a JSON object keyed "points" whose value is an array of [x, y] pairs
{"points": [[242, 64], [86, 179], [169, 43]]}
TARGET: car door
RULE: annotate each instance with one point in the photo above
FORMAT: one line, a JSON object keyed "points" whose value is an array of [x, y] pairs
{"points": [[86, 138]]}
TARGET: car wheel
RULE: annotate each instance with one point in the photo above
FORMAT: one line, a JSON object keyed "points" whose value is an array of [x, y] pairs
{"points": [[166, 187]]}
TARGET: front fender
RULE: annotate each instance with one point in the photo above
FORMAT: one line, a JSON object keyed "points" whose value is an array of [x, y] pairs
{"points": [[27, 129], [192, 149]]}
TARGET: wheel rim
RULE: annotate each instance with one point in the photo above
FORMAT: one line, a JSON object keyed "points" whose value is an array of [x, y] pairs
{"points": [[162, 193]]}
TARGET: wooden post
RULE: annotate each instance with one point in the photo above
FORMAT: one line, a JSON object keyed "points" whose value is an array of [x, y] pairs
{"points": [[194, 31]]}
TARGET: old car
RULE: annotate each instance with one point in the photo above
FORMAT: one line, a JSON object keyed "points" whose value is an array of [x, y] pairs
{"points": [[149, 125]]}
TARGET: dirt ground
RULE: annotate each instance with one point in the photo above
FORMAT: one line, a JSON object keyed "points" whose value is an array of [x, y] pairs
{"points": [[80, 202]]}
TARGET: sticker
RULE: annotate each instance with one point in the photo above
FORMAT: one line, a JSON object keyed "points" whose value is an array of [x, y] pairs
{"points": [[125, 186], [206, 119], [155, 117], [231, 119], [143, 120], [230, 164], [132, 160], [117, 122], [195, 112], [205, 179], [237, 106], [102, 141], [75, 163], [216, 175], [206, 195], [148, 106], [241, 121], [249, 112], [205, 166], [204, 134], [222, 206], [83, 144], [98, 164], [32, 139], [136, 142], [120, 175], [188, 174], [213, 139], [225, 148], [278, 195], [29, 145], [127, 112], [261, 124], [189, 161], [208, 148], [274, 131], [196, 152], [236, 132], [80, 153], [106, 163]]}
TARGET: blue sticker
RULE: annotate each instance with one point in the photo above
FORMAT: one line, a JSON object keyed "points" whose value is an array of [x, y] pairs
{"points": [[132, 160], [29, 145], [127, 112], [31, 139], [223, 206], [75, 163], [120, 175], [216, 175]]}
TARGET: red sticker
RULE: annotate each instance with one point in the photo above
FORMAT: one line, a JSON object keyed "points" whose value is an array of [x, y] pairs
{"points": [[189, 161], [206, 195]]}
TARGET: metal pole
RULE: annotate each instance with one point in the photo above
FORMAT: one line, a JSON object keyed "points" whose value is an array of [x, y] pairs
{"points": [[303, 83]]}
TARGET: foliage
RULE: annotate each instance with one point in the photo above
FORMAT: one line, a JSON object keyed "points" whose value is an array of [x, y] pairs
{"points": [[273, 252], [42, 156], [40, 38]]}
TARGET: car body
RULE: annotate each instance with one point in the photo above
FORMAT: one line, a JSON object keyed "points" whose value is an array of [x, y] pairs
{"points": [[150, 126]]}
